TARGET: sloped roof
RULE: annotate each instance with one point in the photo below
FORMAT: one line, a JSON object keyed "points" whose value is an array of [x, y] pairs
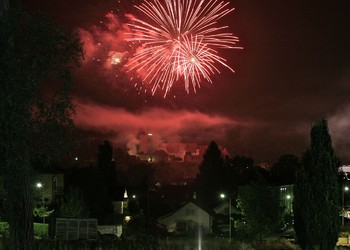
{"points": [[234, 210], [191, 201]]}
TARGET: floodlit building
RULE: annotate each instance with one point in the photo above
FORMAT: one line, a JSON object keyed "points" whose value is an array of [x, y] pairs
{"points": [[188, 219]]}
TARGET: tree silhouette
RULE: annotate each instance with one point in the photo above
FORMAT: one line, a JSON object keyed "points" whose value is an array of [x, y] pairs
{"points": [[35, 63], [210, 170], [104, 156], [283, 171], [316, 193]]}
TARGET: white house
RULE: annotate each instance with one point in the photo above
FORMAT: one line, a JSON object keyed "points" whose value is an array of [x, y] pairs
{"points": [[224, 209], [187, 219], [222, 216]]}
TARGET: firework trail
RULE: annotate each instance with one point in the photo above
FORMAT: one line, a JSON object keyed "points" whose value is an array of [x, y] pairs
{"points": [[180, 41]]}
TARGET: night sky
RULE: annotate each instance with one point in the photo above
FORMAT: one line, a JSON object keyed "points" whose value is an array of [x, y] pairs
{"points": [[294, 69]]}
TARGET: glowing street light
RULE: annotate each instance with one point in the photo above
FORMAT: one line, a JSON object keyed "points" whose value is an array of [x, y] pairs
{"points": [[39, 185], [223, 196], [344, 189]]}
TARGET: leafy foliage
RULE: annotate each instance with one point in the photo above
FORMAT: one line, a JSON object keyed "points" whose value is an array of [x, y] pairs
{"points": [[35, 62], [74, 206], [42, 211], [261, 209], [41, 230], [316, 193]]}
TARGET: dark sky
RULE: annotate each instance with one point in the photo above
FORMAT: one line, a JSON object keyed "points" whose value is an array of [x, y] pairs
{"points": [[294, 69]]}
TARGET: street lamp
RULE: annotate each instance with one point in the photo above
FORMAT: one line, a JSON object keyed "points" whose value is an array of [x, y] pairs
{"points": [[344, 189], [41, 186], [288, 203], [223, 196]]}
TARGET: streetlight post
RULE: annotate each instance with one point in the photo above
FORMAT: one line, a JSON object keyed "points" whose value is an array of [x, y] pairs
{"points": [[289, 203], [41, 186], [223, 196], [342, 203]]}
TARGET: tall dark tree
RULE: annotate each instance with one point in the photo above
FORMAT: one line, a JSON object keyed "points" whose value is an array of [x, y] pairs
{"points": [[105, 163], [283, 171], [104, 156], [316, 193], [210, 170], [241, 169], [35, 60]]}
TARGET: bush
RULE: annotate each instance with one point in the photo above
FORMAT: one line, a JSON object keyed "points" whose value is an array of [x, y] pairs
{"points": [[41, 230], [275, 245], [4, 228]]}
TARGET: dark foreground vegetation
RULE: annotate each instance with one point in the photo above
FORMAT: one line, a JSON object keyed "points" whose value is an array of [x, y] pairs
{"points": [[142, 243]]}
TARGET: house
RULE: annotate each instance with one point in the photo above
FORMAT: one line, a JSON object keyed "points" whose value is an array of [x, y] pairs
{"points": [[222, 216], [188, 219], [224, 209], [49, 187]]}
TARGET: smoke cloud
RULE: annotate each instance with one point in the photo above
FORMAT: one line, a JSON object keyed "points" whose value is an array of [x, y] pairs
{"points": [[339, 126], [165, 125]]}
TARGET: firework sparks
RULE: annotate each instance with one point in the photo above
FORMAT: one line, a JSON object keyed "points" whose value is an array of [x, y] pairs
{"points": [[116, 58], [180, 41]]}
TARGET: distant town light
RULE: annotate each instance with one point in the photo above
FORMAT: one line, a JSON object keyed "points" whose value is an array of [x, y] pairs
{"points": [[288, 197], [346, 188], [127, 218], [76, 158], [39, 185], [222, 196], [125, 194], [134, 196]]}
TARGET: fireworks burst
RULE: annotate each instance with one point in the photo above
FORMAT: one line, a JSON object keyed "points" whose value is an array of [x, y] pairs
{"points": [[180, 41], [116, 58]]}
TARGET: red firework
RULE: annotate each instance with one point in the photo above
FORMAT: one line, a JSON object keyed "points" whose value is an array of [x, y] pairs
{"points": [[180, 41]]}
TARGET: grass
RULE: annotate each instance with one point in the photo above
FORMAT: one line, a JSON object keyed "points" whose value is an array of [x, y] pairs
{"points": [[42, 242], [164, 245], [48, 244]]}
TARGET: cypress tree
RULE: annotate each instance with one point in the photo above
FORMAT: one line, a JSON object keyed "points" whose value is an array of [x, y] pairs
{"points": [[208, 179], [316, 193]]}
